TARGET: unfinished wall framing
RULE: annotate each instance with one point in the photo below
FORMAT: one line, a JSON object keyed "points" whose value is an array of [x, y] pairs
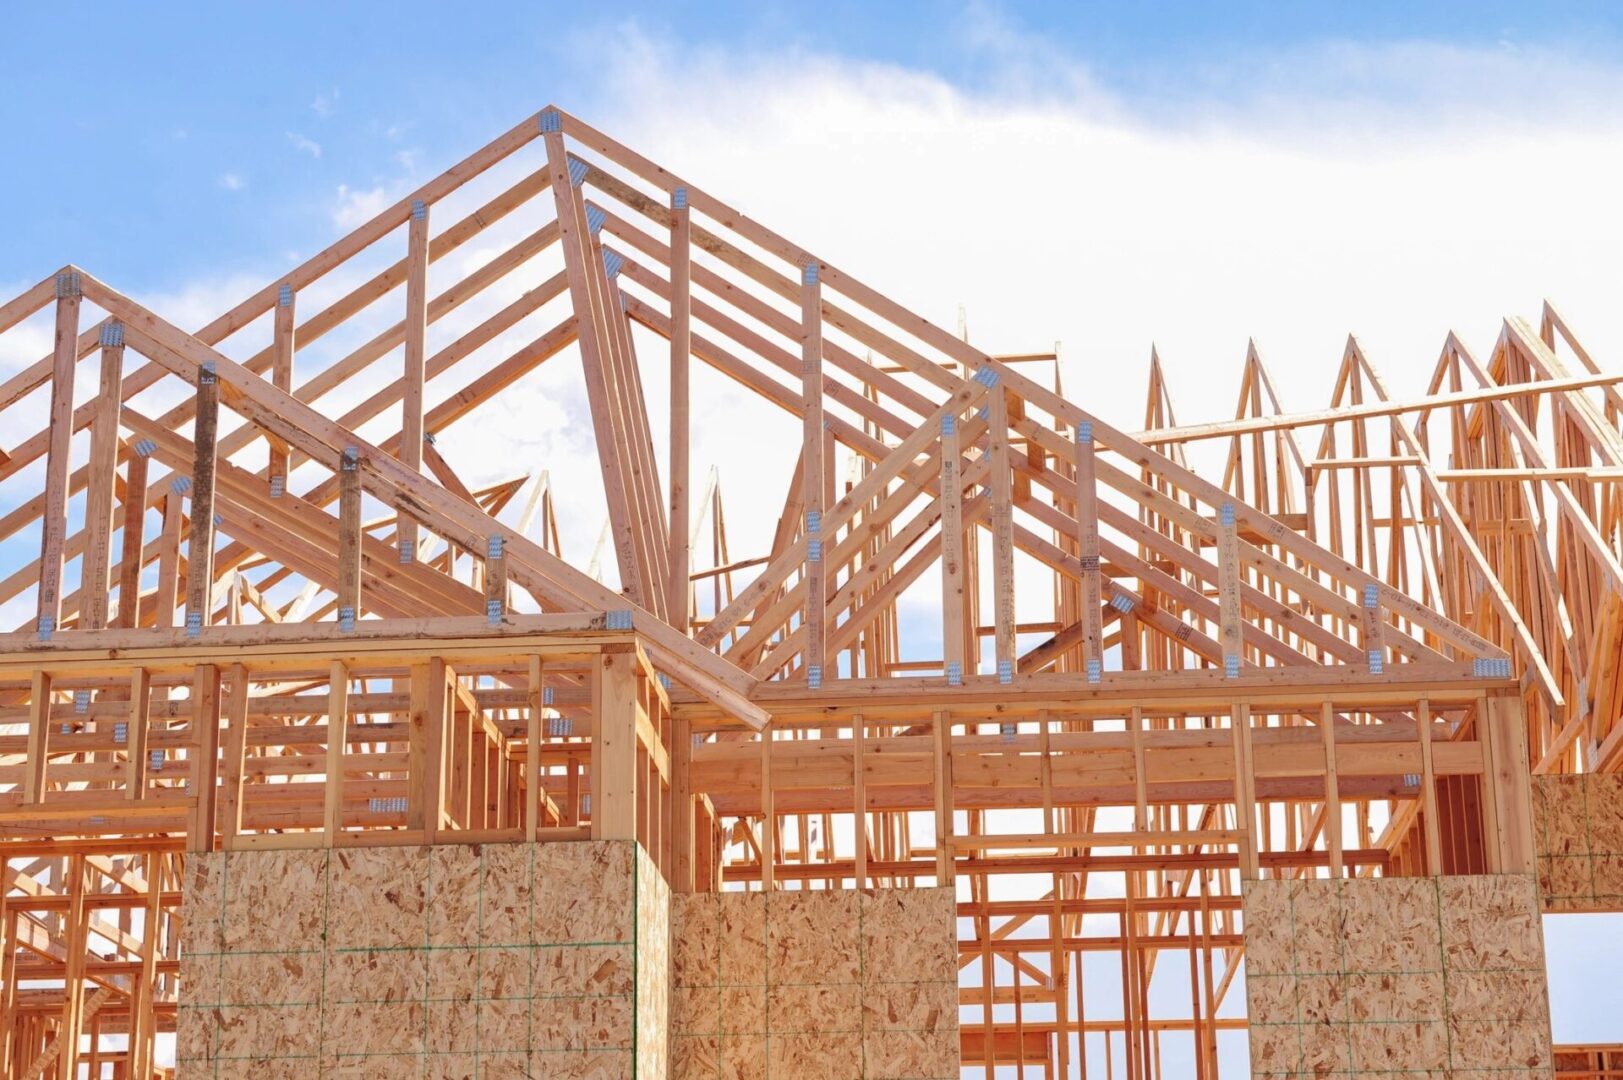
{"points": [[282, 611]]}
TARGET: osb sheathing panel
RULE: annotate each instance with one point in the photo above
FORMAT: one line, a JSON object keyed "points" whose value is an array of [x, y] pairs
{"points": [[811, 984], [1578, 822], [496, 960], [1382, 977]]}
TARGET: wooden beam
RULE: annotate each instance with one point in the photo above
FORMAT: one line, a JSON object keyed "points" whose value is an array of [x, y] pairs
{"points": [[284, 343], [200, 548], [416, 331], [54, 516], [812, 473], [94, 581], [134, 529], [337, 736], [614, 748], [681, 516]]}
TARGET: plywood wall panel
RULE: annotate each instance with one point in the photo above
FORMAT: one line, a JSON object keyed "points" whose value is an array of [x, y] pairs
{"points": [[815, 983], [496, 960], [1578, 828], [1381, 977]]}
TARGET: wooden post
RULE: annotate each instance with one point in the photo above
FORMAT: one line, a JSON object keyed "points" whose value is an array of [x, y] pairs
{"points": [[681, 351], [614, 747], [337, 736], [205, 756], [169, 561], [535, 729], [76, 945], [1428, 792], [1245, 808], [811, 469], [235, 758], [39, 736], [1141, 779], [200, 549], [140, 721], [1002, 493], [54, 510], [349, 538], [944, 864], [1087, 525], [495, 578], [425, 747], [416, 327], [769, 817], [1513, 794], [955, 657], [1332, 789], [133, 550], [1228, 592], [859, 797], [102, 469], [283, 345], [683, 854]]}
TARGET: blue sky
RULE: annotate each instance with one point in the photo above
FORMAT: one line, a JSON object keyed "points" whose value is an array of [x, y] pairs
{"points": [[218, 134]]}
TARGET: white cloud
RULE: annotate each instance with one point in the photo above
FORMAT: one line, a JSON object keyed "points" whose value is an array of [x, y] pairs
{"points": [[324, 104], [1063, 215], [304, 144], [354, 207], [233, 181]]}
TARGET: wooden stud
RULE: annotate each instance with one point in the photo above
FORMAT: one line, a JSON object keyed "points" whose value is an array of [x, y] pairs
{"points": [[94, 583], [54, 514]]}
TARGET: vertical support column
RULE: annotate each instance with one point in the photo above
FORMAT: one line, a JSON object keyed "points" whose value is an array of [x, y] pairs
{"points": [[859, 798], [812, 472], [1428, 792], [1513, 799], [1245, 808], [39, 736], [233, 766], [103, 469], [174, 516], [681, 352], [73, 982], [134, 528], [140, 725], [1087, 538], [142, 1028], [411, 405], [205, 756], [200, 549], [1141, 779], [332, 818], [283, 344], [953, 652], [943, 800], [769, 816], [614, 747], [535, 727], [1002, 493], [424, 753], [684, 841], [495, 579], [54, 509], [349, 538], [1228, 591], [1374, 641], [1332, 789]]}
